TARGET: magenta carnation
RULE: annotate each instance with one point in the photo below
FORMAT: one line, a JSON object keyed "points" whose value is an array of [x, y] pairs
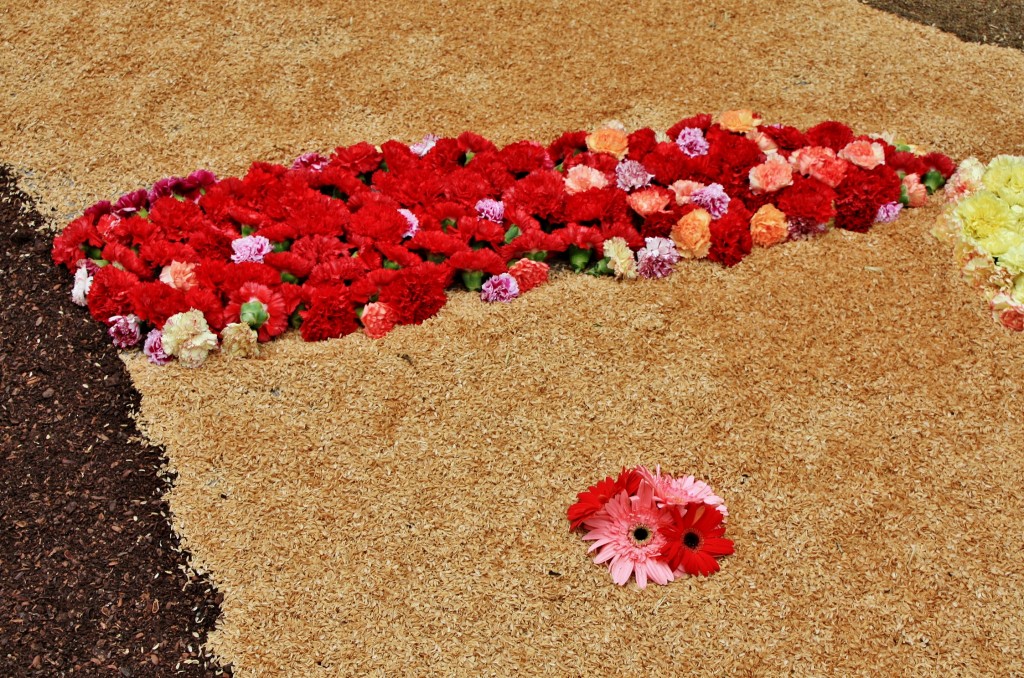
{"points": [[250, 248], [154, 348], [492, 210], [631, 175], [124, 330], [888, 212], [311, 160], [712, 198], [500, 288], [691, 141]]}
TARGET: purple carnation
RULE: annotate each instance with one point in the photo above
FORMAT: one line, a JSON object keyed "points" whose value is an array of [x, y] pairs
{"points": [[130, 203], [312, 161], [198, 181], [154, 348], [163, 188], [492, 210], [124, 330], [657, 258], [98, 210], [691, 141], [250, 248], [712, 198], [421, 148], [414, 223], [500, 288], [888, 212], [631, 175], [803, 228]]}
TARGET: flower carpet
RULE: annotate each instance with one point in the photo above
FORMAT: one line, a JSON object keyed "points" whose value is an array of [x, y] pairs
{"points": [[729, 394]]}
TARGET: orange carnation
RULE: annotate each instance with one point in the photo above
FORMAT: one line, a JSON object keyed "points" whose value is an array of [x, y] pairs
{"points": [[768, 226], [609, 140], [692, 234], [741, 121]]}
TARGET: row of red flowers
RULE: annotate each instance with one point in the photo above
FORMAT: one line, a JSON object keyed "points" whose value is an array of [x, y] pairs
{"points": [[373, 237]]}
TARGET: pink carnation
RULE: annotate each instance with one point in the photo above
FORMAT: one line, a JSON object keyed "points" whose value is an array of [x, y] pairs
{"points": [[819, 163], [311, 160], [772, 175], [421, 148], [529, 274], [917, 193], [582, 178], [154, 348], [691, 141], [631, 175], [414, 223], [378, 319], [864, 153], [888, 212], [492, 210], [712, 198], [501, 287], [250, 248]]}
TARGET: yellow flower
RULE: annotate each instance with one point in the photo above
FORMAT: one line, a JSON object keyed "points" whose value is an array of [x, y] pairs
{"points": [[238, 340], [983, 216], [620, 258], [1005, 178], [1018, 289], [187, 337]]}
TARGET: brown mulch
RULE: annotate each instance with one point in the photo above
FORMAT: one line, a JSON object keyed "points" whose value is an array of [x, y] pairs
{"points": [[91, 578], [994, 22]]}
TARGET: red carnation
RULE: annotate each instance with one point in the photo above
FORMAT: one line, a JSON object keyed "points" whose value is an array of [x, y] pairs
{"points": [[109, 294], [330, 314], [336, 271], [786, 138], [568, 145], [641, 142], [474, 143], [261, 306], [485, 260], [359, 158], [807, 200], [445, 156], [595, 204], [906, 162], [116, 253], [941, 163], [155, 302], [730, 236], [67, 247], [290, 263], [205, 300], [178, 219], [668, 164], [539, 194], [161, 253], [379, 222], [524, 157], [319, 248], [398, 158], [832, 134], [596, 496], [417, 293], [862, 193]]}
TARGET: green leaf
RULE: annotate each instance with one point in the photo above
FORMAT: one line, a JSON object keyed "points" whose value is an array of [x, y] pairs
{"points": [[391, 265], [512, 233], [933, 180], [289, 278], [282, 246], [537, 255]]}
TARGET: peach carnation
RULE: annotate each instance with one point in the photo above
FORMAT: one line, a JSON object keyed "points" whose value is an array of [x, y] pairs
{"points": [[650, 200], [529, 273], [609, 140], [238, 340], [864, 153], [684, 190], [742, 121], [378, 319], [917, 193], [179, 275], [582, 178], [768, 226], [692, 234], [763, 141], [771, 175], [820, 163]]}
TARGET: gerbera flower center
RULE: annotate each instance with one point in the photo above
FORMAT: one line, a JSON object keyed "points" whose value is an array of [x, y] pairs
{"points": [[641, 534], [691, 540]]}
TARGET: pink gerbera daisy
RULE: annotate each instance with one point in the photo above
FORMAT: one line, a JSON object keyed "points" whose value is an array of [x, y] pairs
{"points": [[629, 535], [669, 491]]}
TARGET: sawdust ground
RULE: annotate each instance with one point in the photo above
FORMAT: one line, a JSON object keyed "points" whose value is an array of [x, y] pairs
{"points": [[397, 506], [104, 96]]}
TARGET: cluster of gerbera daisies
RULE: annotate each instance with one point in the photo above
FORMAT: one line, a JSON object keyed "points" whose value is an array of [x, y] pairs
{"points": [[652, 526], [372, 237]]}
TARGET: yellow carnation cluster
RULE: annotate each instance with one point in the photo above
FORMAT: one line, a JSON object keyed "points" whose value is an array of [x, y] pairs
{"points": [[985, 223]]}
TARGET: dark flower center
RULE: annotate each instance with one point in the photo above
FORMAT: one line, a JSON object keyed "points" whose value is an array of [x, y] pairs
{"points": [[641, 534], [691, 540]]}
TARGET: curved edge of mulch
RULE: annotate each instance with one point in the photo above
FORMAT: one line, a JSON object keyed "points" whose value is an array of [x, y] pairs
{"points": [[992, 22], [92, 578]]}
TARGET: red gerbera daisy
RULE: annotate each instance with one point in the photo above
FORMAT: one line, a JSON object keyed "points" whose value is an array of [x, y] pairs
{"points": [[695, 540], [596, 496]]}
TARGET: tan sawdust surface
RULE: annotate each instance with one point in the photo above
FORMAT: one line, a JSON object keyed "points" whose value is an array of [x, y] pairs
{"points": [[397, 507], [101, 97]]}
